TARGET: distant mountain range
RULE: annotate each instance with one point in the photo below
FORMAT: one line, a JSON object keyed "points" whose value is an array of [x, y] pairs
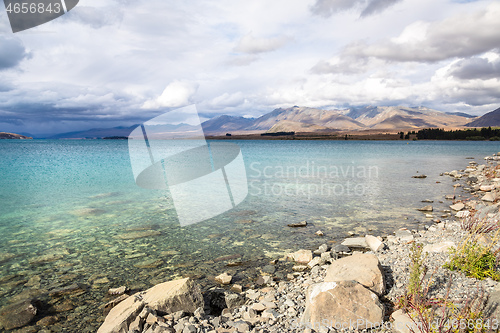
{"points": [[305, 119], [490, 119]]}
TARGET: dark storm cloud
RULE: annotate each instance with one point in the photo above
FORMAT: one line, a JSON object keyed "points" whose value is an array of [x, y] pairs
{"points": [[476, 68], [12, 51]]}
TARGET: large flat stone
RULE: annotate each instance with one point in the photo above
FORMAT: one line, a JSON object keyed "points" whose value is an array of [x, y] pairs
{"points": [[168, 297], [342, 305], [355, 242], [458, 206], [374, 243], [302, 256], [361, 267], [173, 296], [120, 317], [489, 197]]}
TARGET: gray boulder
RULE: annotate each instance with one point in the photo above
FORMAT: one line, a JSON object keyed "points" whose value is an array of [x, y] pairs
{"points": [[167, 297], [360, 267], [342, 305]]}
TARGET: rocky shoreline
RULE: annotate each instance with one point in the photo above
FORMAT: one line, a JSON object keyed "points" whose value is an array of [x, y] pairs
{"points": [[370, 270], [326, 285]]}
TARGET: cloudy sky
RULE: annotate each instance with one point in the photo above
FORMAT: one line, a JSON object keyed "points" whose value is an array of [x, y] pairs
{"points": [[120, 62]]}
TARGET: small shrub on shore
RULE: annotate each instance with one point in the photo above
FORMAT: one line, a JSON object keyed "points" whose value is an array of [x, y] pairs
{"points": [[417, 273], [475, 261], [437, 315], [477, 257], [418, 269]]}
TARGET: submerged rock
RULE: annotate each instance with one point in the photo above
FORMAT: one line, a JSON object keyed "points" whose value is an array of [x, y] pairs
{"points": [[138, 234], [298, 225], [88, 212], [18, 314], [6, 257], [43, 259], [151, 263], [117, 291], [426, 209], [68, 290], [224, 278]]}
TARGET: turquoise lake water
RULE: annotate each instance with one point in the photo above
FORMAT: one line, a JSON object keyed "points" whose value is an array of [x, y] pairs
{"points": [[70, 212]]}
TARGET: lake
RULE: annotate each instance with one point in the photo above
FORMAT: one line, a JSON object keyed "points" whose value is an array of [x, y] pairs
{"points": [[71, 212]]}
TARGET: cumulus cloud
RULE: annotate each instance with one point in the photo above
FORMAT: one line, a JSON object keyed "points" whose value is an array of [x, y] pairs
{"points": [[253, 45], [176, 94], [95, 17], [72, 77], [228, 100], [476, 68], [327, 8], [12, 51], [459, 36], [345, 65]]}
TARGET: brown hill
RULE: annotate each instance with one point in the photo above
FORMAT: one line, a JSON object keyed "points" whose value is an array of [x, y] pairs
{"points": [[6, 135], [329, 119], [395, 117], [490, 119]]}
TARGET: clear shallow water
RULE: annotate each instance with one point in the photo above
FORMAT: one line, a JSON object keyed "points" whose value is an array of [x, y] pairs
{"points": [[70, 212]]}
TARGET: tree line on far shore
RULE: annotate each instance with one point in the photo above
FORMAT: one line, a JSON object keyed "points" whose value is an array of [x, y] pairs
{"points": [[474, 134]]}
